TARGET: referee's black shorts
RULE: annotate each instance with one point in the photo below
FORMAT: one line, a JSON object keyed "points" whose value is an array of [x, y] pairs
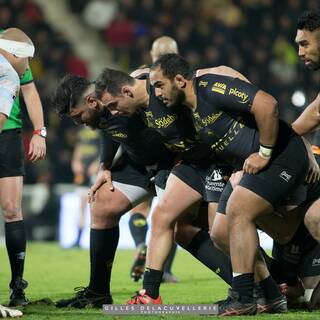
{"points": [[11, 154]]}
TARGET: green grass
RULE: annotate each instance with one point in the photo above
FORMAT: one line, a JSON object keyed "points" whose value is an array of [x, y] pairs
{"points": [[53, 273]]}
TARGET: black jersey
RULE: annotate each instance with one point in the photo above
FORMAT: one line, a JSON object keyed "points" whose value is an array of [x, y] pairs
{"points": [[223, 119], [175, 125], [141, 143]]}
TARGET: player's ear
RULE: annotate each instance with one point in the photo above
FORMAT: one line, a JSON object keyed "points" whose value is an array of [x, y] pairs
{"points": [[91, 101], [180, 81], [126, 91]]}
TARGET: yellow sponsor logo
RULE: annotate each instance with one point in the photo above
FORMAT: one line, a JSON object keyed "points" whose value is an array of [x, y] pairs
{"points": [[210, 119], [244, 98], [178, 146], [203, 83], [148, 114], [118, 134], [219, 87], [165, 122]]}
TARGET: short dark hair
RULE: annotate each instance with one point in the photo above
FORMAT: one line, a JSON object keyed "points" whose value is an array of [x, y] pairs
{"points": [[111, 80], [309, 20], [172, 64], [68, 93]]}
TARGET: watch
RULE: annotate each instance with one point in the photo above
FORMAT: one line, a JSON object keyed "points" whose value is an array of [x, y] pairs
{"points": [[42, 132]]}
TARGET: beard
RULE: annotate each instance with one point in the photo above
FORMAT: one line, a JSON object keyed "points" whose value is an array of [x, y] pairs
{"points": [[97, 119], [178, 97]]}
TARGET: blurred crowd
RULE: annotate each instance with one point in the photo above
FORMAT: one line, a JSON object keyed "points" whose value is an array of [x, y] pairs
{"points": [[255, 37]]}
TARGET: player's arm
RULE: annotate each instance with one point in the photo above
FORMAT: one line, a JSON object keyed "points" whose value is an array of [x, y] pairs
{"points": [[309, 120], [37, 147], [223, 71], [241, 96], [108, 150], [137, 73]]}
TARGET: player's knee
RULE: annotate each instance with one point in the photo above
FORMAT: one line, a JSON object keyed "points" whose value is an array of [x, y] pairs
{"points": [[11, 211], [161, 217], [220, 239], [312, 222], [102, 215]]}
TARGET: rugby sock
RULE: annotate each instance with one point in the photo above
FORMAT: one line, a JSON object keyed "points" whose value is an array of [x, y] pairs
{"points": [[138, 227], [151, 282], [168, 265], [243, 284], [204, 250], [103, 245], [15, 235], [269, 288]]}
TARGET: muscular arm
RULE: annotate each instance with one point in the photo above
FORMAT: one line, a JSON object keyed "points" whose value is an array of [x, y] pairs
{"points": [[265, 111], [309, 120], [223, 71]]}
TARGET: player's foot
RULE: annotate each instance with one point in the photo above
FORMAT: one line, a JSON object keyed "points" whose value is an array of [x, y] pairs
{"points": [[139, 262], [142, 298], [169, 278], [265, 305], [17, 295], [9, 313], [233, 306], [277, 305], [315, 298], [85, 298]]}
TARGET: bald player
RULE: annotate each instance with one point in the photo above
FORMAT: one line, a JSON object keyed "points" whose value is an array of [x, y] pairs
{"points": [[161, 46], [15, 49]]}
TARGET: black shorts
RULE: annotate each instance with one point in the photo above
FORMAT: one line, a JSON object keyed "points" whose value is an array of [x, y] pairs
{"points": [[300, 256], [207, 180], [286, 172], [127, 171], [11, 154]]}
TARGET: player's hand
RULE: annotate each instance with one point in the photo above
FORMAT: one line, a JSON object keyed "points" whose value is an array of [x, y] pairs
{"points": [[104, 176], [314, 170], [235, 178], [254, 163], [37, 148]]}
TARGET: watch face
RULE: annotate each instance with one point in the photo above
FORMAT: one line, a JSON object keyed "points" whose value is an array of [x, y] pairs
{"points": [[43, 132]]}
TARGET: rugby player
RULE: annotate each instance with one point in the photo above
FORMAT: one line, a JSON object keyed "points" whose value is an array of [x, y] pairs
{"points": [[240, 124], [308, 41], [120, 186]]}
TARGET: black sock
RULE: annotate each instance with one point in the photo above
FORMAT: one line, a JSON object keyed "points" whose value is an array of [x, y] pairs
{"points": [[203, 249], [151, 282], [243, 284], [16, 246], [168, 265], [269, 288], [138, 227], [103, 245]]}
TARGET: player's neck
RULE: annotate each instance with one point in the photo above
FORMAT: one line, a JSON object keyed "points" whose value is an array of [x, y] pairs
{"points": [[142, 96], [191, 98]]}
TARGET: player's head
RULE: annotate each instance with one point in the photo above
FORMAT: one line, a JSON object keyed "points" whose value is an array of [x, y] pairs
{"points": [[163, 45], [75, 98], [17, 47], [308, 38], [115, 89], [169, 75]]}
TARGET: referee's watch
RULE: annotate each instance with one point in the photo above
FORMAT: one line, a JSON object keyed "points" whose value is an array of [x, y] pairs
{"points": [[42, 132]]}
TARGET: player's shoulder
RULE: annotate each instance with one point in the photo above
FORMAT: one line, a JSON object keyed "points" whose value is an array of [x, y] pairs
{"points": [[139, 72]]}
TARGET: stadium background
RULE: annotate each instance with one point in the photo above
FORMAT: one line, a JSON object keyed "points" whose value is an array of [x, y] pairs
{"points": [[255, 37]]}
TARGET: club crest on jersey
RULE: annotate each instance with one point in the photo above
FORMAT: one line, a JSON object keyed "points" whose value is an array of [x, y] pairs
{"points": [[219, 87], [203, 83], [244, 98]]}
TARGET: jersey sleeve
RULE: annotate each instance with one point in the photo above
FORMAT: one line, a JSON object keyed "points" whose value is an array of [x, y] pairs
{"points": [[108, 148], [27, 77], [227, 93]]}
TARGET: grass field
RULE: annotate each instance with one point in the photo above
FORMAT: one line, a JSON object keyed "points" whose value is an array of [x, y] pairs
{"points": [[53, 273]]}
